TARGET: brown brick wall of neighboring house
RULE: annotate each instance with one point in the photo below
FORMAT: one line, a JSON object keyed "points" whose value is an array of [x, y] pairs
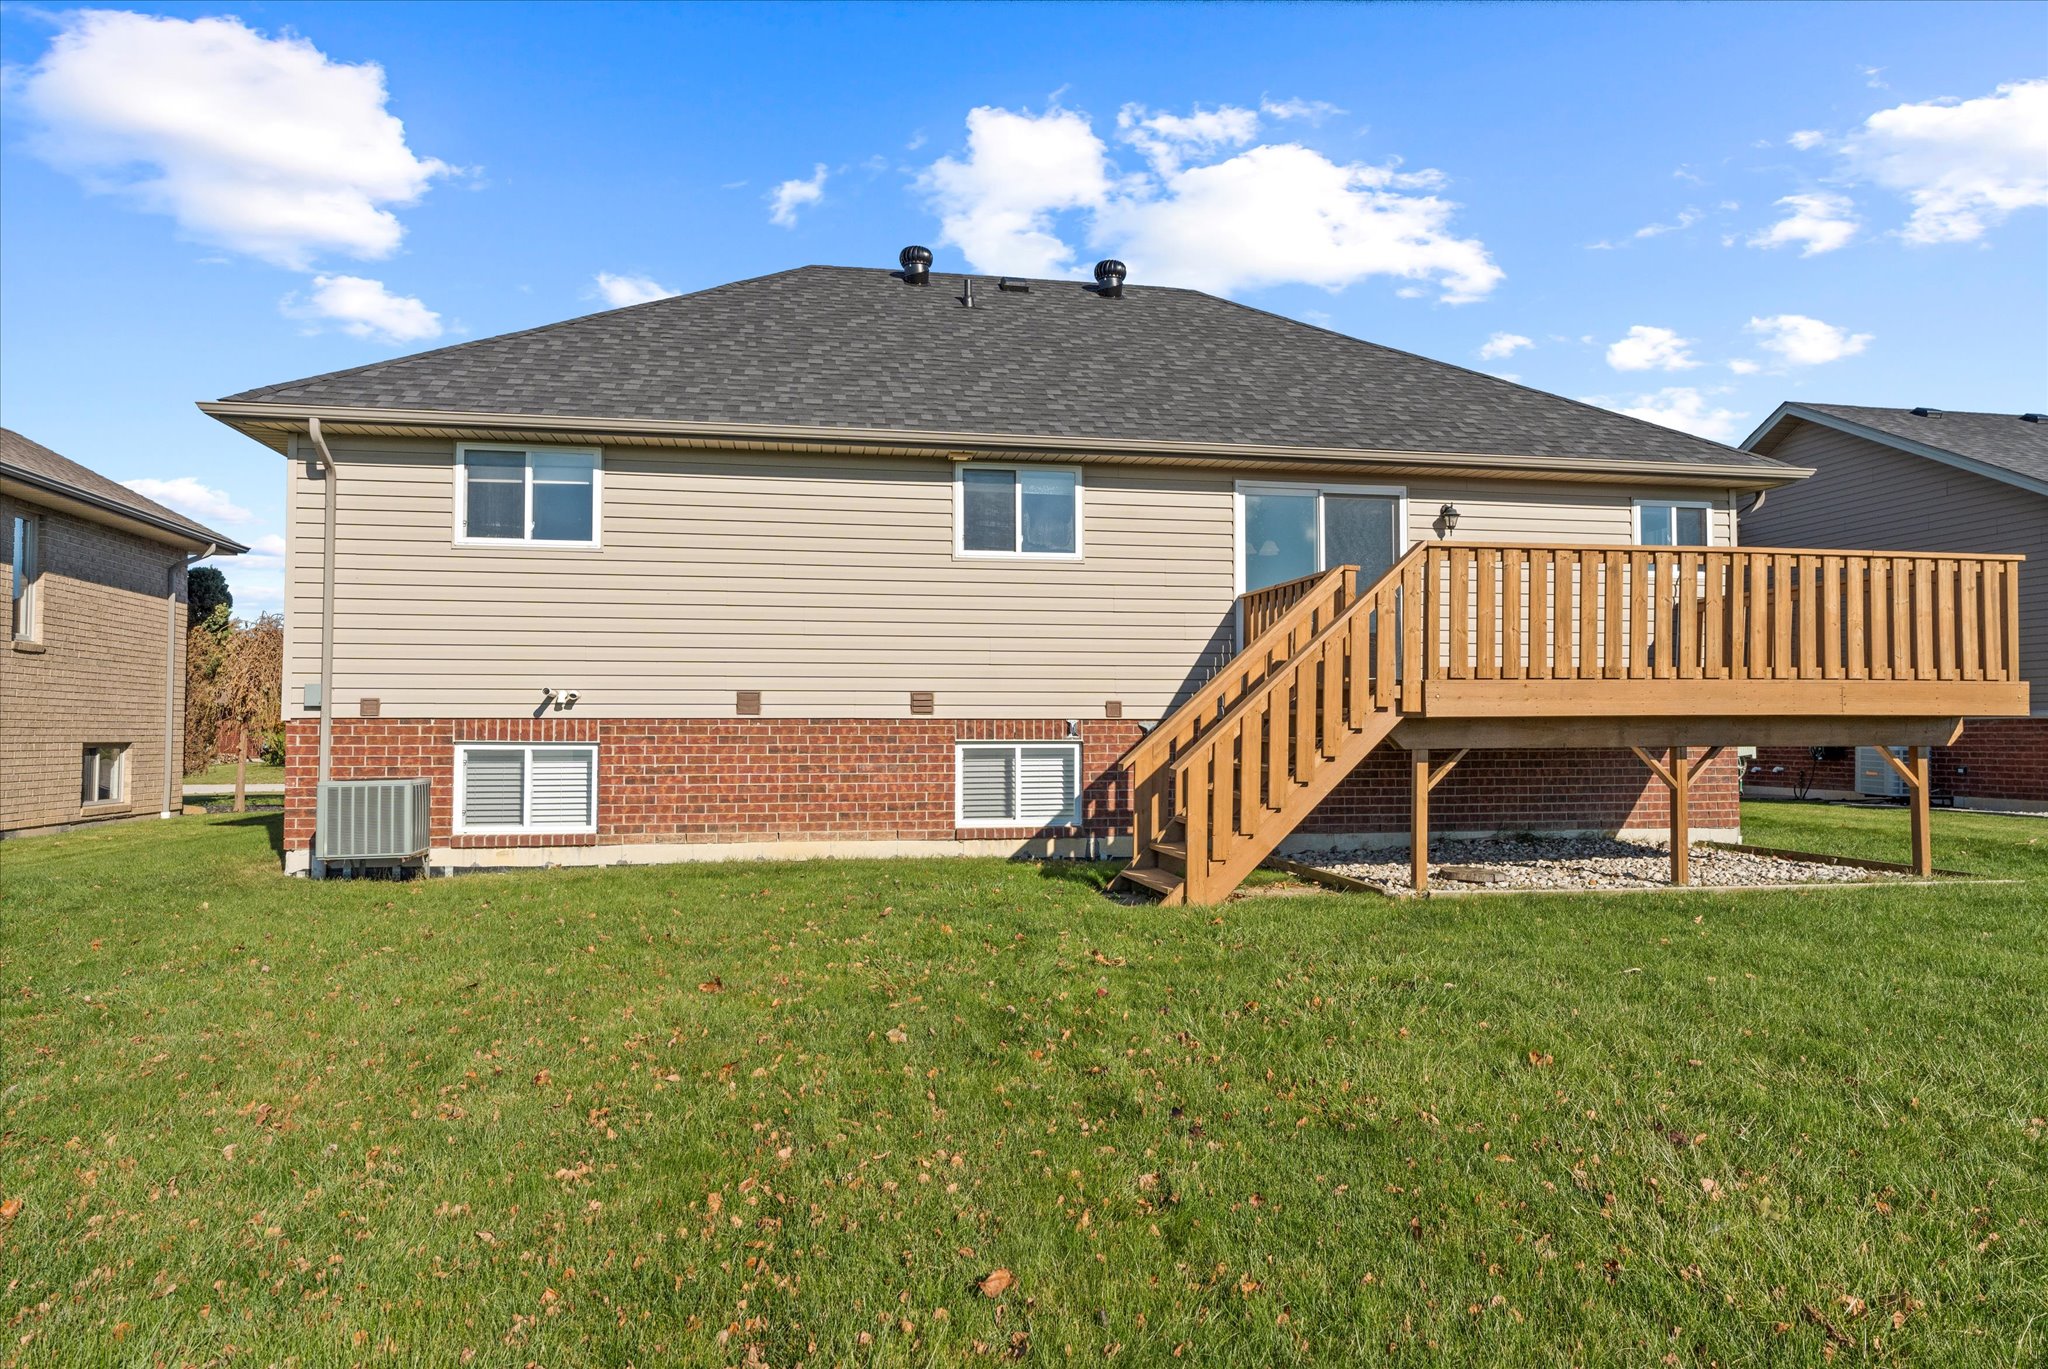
{"points": [[2001, 759], [728, 780], [98, 676]]}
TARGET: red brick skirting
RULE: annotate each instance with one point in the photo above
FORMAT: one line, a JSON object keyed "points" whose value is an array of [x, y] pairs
{"points": [[768, 779], [2002, 759]]}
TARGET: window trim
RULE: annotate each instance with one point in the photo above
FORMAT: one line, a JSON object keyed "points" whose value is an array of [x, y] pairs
{"points": [[1635, 517], [960, 548], [26, 590], [120, 785], [529, 451], [1398, 493], [524, 829], [960, 818]]}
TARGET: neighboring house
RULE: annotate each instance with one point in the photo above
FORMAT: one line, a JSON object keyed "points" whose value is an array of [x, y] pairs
{"points": [[92, 676], [841, 560], [1921, 479]]}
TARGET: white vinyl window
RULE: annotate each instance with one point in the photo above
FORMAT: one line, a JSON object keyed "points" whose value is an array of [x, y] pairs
{"points": [[1018, 784], [539, 496], [103, 774], [26, 596], [1672, 523], [525, 788], [1017, 510]]}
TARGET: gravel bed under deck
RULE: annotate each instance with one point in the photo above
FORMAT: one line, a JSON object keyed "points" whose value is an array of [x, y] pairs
{"points": [[1573, 863]]}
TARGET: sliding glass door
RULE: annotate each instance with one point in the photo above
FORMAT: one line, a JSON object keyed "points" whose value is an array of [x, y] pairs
{"points": [[1288, 531]]}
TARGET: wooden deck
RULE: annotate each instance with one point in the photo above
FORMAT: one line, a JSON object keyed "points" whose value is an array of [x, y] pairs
{"points": [[1657, 649]]}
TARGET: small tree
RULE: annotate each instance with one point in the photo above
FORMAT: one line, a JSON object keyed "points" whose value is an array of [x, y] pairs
{"points": [[206, 589], [248, 687]]}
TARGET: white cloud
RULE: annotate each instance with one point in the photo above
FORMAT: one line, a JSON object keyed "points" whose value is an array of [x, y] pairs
{"points": [[1272, 213], [1313, 111], [193, 498], [1819, 221], [785, 199], [261, 145], [1651, 349], [1681, 407], [1802, 341], [620, 291], [1166, 139], [1874, 78], [266, 550], [365, 309], [1807, 138], [1743, 366], [1503, 345], [1963, 165], [997, 205]]}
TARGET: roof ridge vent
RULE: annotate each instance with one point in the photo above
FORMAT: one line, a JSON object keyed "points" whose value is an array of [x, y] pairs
{"points": [[1924, 412], [1109, 278], [917, 265], [2034, 418]]}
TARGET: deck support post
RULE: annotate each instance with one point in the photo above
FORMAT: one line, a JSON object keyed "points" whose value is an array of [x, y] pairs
{"points": [[1418, 818], [1421, 781], [1914, 770], [1678, 777], [1681, 818]]}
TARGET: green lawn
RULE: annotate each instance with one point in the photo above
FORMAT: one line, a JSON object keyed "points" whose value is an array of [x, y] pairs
{"points": [[224, 773], [791, 1113]]}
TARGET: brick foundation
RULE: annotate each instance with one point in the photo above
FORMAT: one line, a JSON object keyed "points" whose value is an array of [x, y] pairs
{"points": [[2000, 760], [769, 780]]}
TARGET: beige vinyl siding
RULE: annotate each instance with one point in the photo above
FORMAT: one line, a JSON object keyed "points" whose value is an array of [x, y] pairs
{"points": [[1867, 496], [829, 584]]}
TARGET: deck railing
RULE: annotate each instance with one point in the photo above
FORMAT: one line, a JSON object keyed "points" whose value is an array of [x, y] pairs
{"points": [[1532, 631], [1699, 613]]}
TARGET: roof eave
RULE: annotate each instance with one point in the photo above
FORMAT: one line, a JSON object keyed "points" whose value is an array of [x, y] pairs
{"points": [[1791, 410], [253, 417], [157, 529]]}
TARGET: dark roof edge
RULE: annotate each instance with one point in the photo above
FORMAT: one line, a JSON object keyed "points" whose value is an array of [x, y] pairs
{"points": [[1758, 473], [198, 534], [1791, 410], [250, 396]]}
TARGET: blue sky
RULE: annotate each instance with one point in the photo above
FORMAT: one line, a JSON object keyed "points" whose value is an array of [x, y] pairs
{"points": [[1691, 212]]}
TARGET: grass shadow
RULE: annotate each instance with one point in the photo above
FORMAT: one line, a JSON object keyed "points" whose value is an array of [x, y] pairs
{"points": [[1090, 874], [273, 822]]}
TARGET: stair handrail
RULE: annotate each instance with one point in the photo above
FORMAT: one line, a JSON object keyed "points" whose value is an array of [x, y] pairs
{"points": [[1384, 594]]}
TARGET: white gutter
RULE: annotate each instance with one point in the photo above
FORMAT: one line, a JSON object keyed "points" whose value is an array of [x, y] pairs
{"points": [[332, 475], [173, 779], [1021, 446]]}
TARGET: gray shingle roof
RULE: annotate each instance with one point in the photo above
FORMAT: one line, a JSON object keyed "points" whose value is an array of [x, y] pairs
{"points": [[36, 464], [845, 347], [2006, 441]]}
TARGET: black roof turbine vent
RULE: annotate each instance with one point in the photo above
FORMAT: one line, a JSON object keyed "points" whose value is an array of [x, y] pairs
{"points": [[1109, 278], [917, 265]]}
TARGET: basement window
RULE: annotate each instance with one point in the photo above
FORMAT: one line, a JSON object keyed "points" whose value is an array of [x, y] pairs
{"points": [[1026, 784], [525, 789], [1671, 523], [542, 497], [1017, 510], [103, 774]]}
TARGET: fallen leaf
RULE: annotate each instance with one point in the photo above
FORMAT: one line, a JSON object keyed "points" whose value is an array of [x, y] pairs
{"points": [[995, 1282], [10, 1209], [897, 1036], [712, 985]]}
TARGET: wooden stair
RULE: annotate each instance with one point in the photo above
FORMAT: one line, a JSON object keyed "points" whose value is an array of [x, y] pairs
{"points": [[1224, 778]]}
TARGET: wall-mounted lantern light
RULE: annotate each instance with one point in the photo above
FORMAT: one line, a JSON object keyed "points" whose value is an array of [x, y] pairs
{"points": [[1449, 514]]}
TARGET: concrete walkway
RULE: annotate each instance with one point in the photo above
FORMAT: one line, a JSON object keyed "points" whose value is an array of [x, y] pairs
{"points": [[215, 790]]}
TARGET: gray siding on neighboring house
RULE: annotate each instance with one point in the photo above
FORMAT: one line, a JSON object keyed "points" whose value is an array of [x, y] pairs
{"points": [[1868, 496], [828, 583]]}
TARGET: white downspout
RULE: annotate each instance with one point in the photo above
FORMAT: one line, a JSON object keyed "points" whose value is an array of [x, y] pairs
{"points": [[332, 475], [173, 780]]}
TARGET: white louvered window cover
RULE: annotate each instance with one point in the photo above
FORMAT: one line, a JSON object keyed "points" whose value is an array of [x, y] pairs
{"points": [[526, 789], [1018, 785]]}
